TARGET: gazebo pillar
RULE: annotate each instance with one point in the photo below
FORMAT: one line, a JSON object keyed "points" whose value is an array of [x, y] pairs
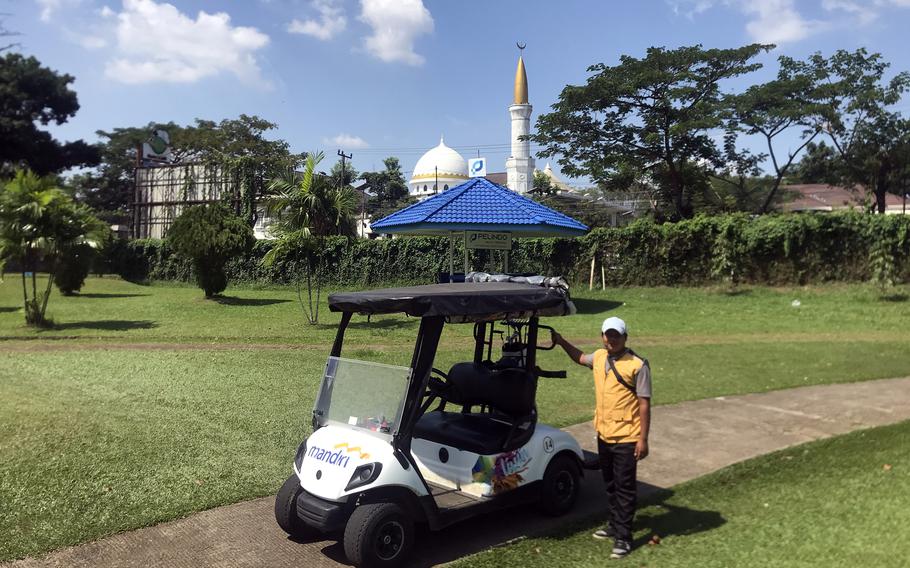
{"points": [[451, 254]]}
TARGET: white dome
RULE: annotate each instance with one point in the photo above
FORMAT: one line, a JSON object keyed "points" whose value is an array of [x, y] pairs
{"points": [[449, 163]]}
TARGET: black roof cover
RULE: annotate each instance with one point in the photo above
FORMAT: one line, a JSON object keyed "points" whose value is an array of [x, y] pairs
{"points": [[471, 300]]}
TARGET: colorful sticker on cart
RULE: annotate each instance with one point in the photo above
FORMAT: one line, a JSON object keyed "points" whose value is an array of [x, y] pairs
{"points": [[502, 472]]}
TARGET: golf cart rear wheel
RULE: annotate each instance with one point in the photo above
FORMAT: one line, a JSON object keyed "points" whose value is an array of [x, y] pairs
{"points": [[379, 534], [561, 485], [286, 509]]}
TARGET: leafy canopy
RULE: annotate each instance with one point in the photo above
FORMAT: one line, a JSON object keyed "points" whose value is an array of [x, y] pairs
{"points": [[870, 138], [32, 95], [646, 120], [310, 204], [210, 235]]}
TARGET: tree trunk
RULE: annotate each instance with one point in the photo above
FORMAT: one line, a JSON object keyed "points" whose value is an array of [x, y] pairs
{"points": [[24, 291], [47, 292], [34, 267], [881, 186], [678, 191], [774, 188], [881, 189]]}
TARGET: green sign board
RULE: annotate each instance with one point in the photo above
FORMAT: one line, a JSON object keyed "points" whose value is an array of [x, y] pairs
{"points": [[488, 240]]}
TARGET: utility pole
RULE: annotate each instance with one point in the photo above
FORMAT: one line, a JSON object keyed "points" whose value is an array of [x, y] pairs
{"points": [[436, 183], [341, 184]]}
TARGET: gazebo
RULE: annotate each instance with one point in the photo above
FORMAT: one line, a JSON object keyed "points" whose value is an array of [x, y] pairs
{"points": [[486, 215]]}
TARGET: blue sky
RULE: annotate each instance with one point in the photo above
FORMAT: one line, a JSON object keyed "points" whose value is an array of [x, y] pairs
{"points": [[388, 77]]}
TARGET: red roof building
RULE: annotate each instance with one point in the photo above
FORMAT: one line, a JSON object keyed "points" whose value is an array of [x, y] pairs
{"points": [[822, 197]]}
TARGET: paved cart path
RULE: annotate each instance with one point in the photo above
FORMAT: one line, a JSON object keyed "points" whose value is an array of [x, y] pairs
{"points": [[688, 440]]}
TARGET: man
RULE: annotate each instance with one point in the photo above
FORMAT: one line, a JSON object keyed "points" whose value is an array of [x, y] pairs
{"points": [[622, 418]]}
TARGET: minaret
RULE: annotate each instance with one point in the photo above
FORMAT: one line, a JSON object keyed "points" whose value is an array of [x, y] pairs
{"points": [[520, 165]]}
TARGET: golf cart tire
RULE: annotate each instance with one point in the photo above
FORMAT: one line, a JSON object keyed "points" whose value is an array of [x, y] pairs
{"points": [[560, 485], [286, 509], [371, 533]]}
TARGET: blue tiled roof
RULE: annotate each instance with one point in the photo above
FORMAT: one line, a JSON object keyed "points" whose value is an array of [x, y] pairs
{"points": [[479, 204]]}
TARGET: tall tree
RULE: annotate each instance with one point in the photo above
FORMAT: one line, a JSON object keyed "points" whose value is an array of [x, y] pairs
{"points": [[388, 187], [820, 164], [865, 132], [310, 203], [734, 183], [543, 185], [307, 209], [645, 117], [787, 103], [347, 177], [31, 95]]}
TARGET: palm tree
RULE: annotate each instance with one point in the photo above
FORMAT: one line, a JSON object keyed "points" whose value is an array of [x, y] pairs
{"points": [[37, 222], [311, 203], [305, 210]]}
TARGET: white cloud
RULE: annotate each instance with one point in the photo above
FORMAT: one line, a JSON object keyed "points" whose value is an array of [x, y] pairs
{"points": [[770, 21], [106, 12], [864, 13], [158, 43], [396, 24], [91, 42], [347, 142], [48, 7], [776, 21], [331, 21], [690, 8]]}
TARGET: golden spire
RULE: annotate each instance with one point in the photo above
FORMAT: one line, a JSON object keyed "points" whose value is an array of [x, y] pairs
{"points": [[521, 81]]}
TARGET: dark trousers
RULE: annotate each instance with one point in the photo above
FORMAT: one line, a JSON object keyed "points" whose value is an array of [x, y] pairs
{"points": [[618, 465]]}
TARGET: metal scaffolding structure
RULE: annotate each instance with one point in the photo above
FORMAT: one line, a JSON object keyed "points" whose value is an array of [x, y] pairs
{"points": [[161, 192]]}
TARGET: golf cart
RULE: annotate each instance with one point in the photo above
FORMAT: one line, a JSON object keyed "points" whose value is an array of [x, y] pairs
{"points": [[394, 446]]}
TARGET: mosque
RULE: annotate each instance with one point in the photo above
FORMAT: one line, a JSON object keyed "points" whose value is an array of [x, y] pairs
{"points": [[444, 166]]}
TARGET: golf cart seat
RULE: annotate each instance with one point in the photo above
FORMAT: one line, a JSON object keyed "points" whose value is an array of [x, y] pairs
{"points": [[507, 394]]}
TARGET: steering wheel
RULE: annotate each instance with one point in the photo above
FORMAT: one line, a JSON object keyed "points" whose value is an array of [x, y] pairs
{"points": [[437, 386]]}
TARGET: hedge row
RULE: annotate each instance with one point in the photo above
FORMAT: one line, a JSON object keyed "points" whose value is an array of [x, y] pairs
{"points": [[772, 249]]}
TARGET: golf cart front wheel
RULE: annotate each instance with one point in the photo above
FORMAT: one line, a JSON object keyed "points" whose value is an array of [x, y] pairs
{"points": [[379, 534], [286, 509], [561, 485]]}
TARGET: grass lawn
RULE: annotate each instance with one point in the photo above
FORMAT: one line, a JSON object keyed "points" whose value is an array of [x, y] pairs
{"points": [[146, 403], [835, 502]]}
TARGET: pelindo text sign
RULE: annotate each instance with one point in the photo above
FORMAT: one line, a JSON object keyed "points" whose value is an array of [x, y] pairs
{"points": [[488, 240]]}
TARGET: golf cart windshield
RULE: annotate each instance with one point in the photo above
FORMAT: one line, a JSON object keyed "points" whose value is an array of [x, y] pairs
{"points": [[362, 394]]}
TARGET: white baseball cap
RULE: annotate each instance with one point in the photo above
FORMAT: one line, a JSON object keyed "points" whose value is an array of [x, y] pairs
{"points": [[613, 323]]}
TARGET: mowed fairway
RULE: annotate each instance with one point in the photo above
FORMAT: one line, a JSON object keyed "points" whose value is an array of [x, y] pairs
{"points": [[147, 403], [836, 502]]}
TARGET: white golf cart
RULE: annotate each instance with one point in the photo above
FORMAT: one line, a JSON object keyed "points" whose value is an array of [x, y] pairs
{"points": [[394, 446]]}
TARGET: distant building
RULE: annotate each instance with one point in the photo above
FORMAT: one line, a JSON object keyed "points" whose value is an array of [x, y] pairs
{"points": [[162, 191], [820, 197], [441, 168]]}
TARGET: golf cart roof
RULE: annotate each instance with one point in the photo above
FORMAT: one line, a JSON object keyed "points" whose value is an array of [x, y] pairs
{"points": [[470, 301]]}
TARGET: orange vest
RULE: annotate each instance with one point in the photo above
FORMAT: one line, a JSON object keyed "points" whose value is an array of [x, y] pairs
{"points": [[616, 415]]}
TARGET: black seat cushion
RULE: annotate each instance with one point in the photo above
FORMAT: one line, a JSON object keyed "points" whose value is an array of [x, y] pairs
{"points": [[510, 391], [478, 433]]}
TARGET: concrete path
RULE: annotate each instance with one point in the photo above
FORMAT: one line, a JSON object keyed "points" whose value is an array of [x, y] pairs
{"points": [[687, 440]]}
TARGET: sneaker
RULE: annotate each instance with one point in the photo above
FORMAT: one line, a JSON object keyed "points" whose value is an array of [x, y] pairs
{"points": [[621, 548], [605, 533]]}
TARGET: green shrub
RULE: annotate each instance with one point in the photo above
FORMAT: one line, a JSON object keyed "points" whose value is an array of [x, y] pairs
{"points": [[73, 266], [210, 235], [771, 249]]}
